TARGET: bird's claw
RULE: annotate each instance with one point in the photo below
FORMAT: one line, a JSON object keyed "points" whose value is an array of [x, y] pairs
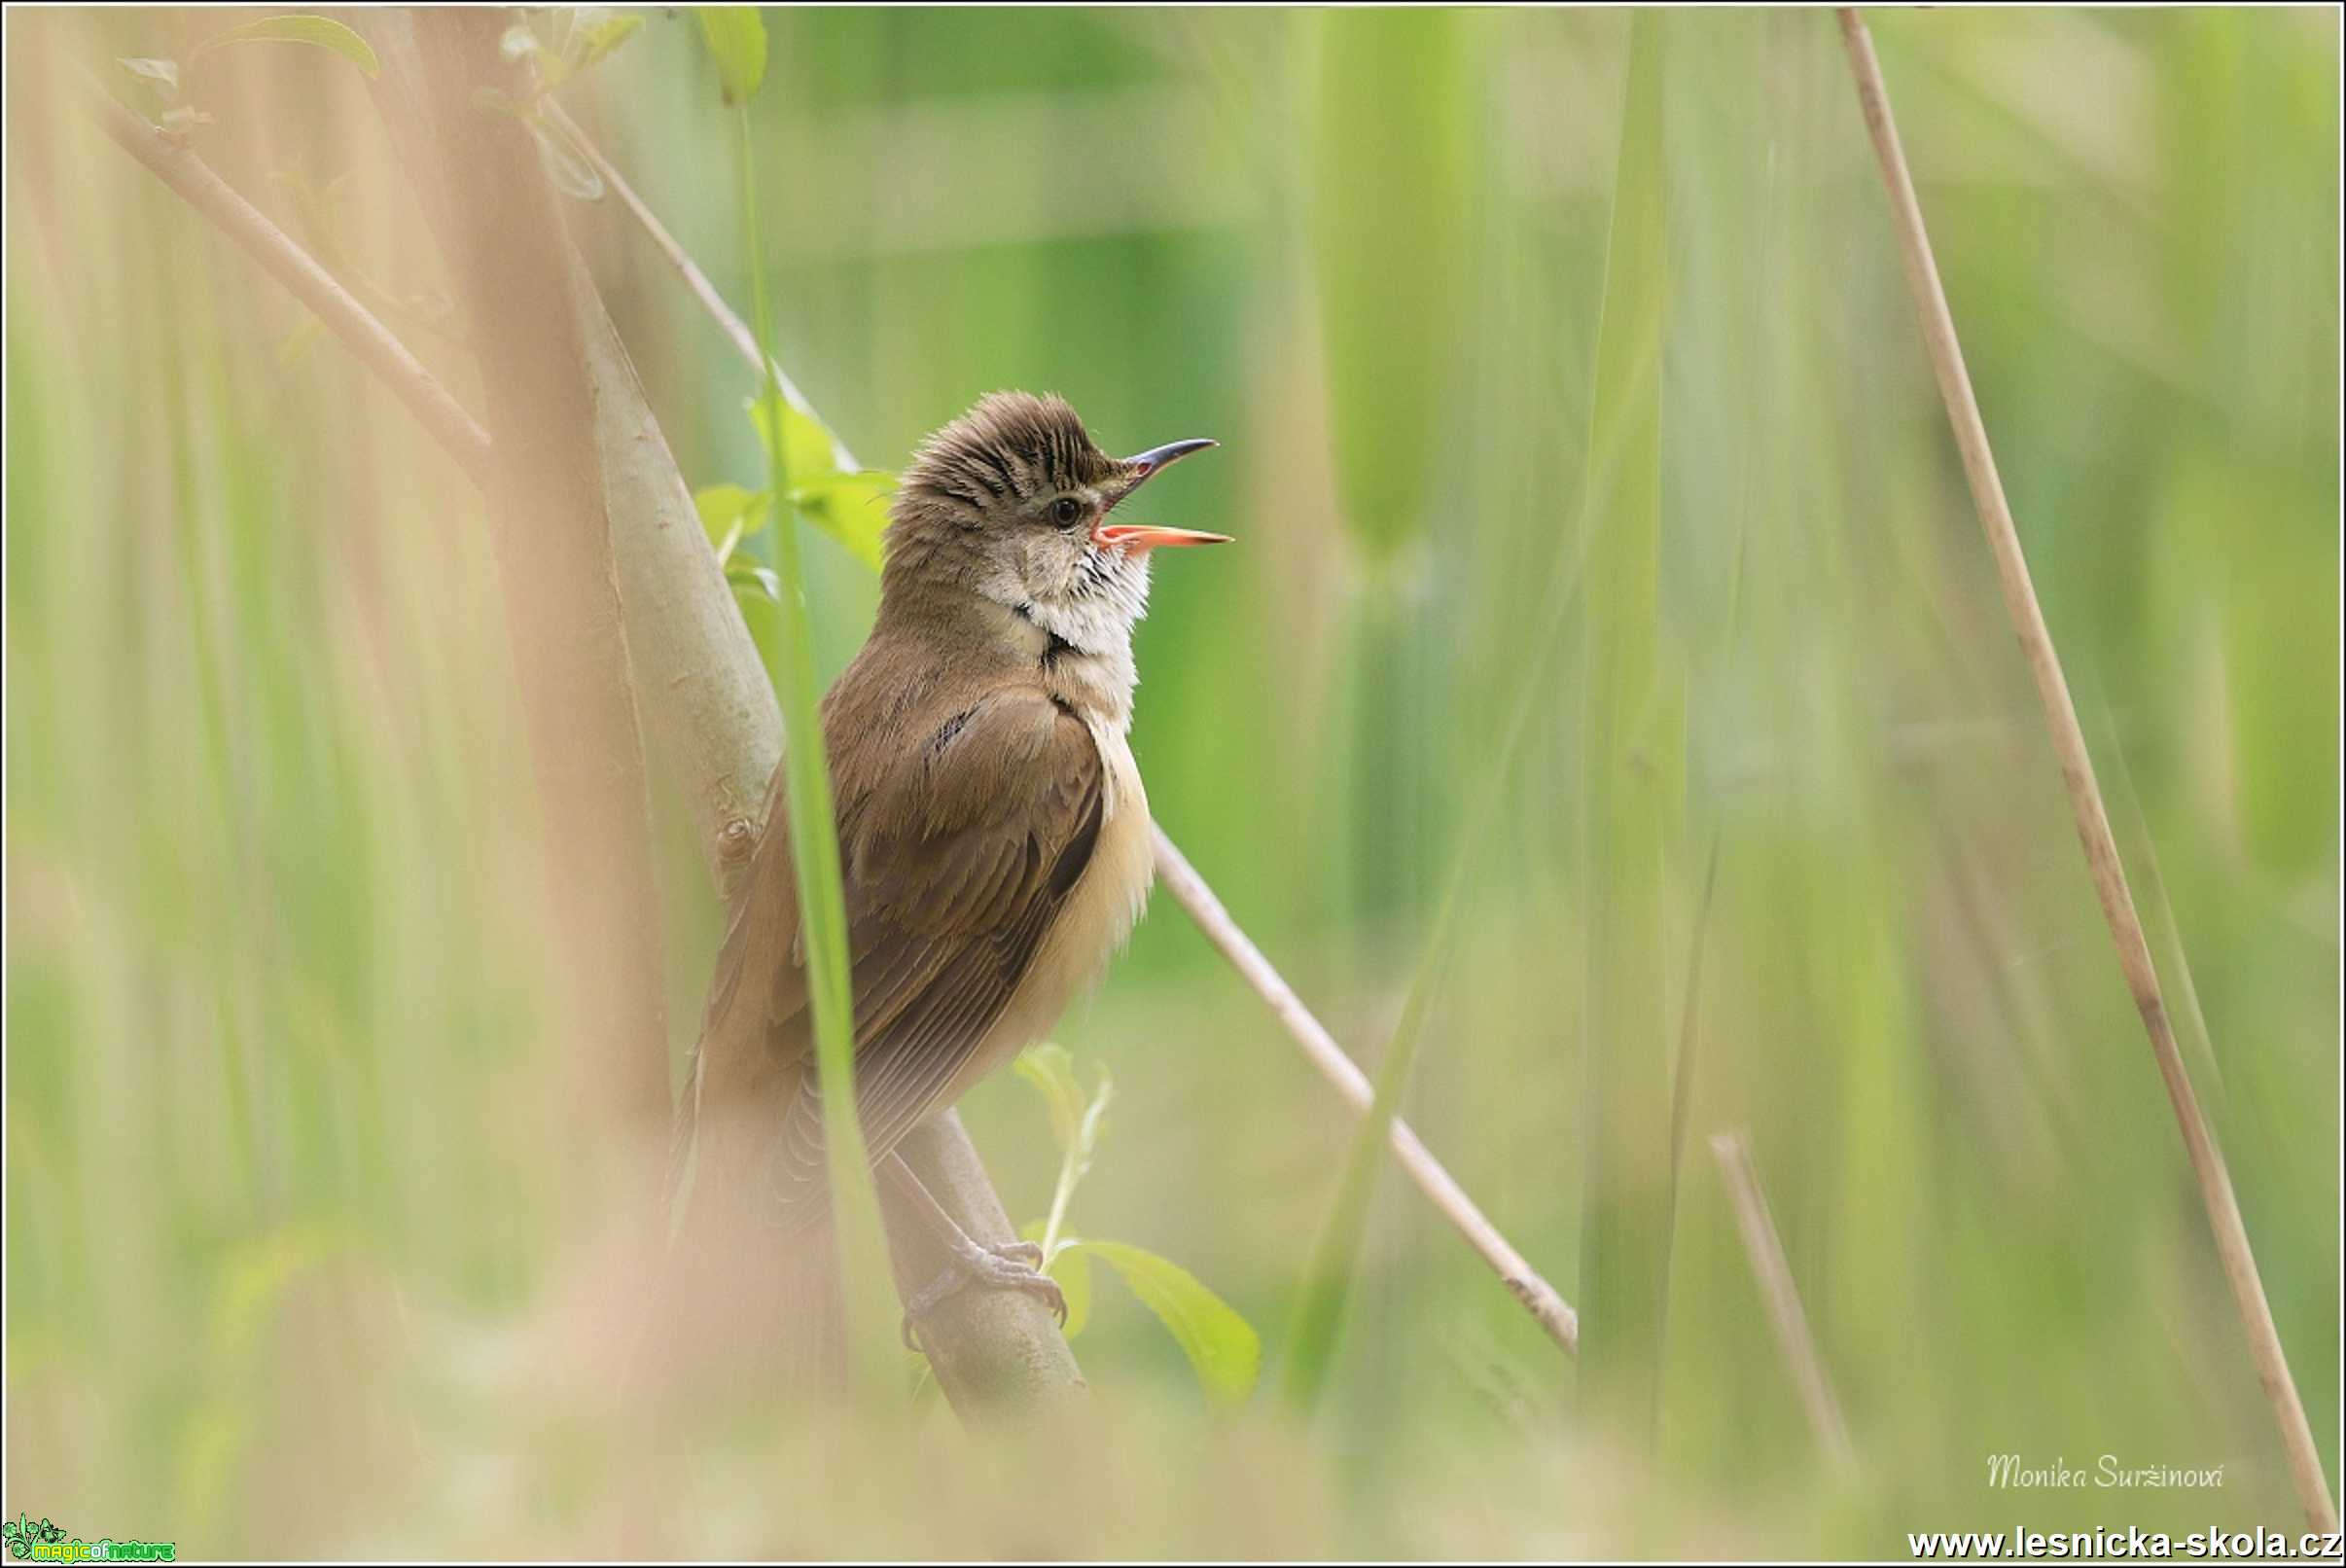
{"points": [[1015, 1266]]}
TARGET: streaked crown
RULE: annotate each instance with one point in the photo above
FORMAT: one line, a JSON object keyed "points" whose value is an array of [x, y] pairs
{"points": [[1012, 447]]}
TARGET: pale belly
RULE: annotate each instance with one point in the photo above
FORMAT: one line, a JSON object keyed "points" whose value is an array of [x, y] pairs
{"points": [[1090, 928]]}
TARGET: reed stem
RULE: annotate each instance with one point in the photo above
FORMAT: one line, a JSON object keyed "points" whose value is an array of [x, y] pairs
{"points": [[2077, 776]]}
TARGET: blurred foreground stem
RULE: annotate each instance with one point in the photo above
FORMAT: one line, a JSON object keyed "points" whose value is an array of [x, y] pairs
{"points": [[494, 212]]}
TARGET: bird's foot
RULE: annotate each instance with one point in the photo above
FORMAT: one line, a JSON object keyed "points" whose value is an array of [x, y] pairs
{"points": [[1012, 1265]]}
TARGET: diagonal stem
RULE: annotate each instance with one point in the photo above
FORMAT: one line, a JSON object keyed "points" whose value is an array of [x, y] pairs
{"points": [[1772, 1273], [736, 331], [1538, 1298], [2077, 774], [289, 264]]}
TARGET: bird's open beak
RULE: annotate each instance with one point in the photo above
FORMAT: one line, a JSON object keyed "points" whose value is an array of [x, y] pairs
{"points": [[1135, 538]]}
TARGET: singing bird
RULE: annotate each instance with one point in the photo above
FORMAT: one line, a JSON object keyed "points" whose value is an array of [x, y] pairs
{"points": [[993, 831]]}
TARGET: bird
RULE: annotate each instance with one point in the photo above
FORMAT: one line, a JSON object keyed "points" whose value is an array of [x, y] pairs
{"points": [[994, 833]]}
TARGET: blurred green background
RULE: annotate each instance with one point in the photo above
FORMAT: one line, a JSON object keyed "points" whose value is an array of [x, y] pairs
{"points": [[290, 1208]]}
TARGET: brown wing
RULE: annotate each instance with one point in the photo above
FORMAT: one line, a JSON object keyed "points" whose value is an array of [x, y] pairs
{"points": [[956, 859]]}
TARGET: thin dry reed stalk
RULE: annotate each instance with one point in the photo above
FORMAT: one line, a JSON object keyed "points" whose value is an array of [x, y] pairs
{"points": [[2077, 774], [1785, 1314]]}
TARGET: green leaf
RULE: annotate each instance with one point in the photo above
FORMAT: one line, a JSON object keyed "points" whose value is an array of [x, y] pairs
{"points": [[602, 37], [847, 504], [852, 507], [1075, 1126], [1223, 1347], [1052, 1072], [807, 453], [1068, 1265], [736, 40], [161, 76], [728, 515], [1076, 1119], [756, 580], [321, 32], [758, 592]]}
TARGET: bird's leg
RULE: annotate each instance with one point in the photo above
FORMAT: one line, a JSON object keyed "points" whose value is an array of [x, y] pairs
{"points": [[1012, 1265]]}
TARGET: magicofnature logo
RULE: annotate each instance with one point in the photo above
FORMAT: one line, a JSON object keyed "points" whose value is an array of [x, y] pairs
{"points": [[41, 1540]]}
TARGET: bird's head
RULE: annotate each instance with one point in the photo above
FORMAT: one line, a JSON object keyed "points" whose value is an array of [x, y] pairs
{"points": [[1015, 501]]}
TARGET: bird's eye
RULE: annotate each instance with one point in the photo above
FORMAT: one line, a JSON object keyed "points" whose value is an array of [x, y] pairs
{"points": [[1065, 511]]}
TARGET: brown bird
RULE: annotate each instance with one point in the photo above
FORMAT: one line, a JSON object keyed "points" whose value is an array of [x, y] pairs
{"points": [[993, 831]]}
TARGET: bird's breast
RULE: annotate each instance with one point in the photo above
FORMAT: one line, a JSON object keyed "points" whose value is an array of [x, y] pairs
{"points": [[1091, 925], [1113, 887]]}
